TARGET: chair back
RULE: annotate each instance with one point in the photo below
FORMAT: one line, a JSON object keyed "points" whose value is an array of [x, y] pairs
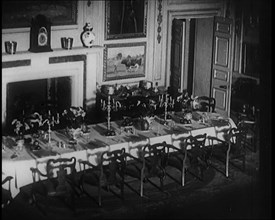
{"points": [[250, 128], [196, 144], [112, 165], [154, 159], [58, 170], [179, 140], [206, 104], [6, 193], [197, 141], [61, 167], [135, 148], [237, 139]]}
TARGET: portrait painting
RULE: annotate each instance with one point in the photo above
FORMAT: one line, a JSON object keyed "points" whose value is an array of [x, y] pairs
{"points": [[125, 19]]}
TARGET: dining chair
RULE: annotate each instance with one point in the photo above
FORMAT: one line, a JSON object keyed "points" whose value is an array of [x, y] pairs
{"points": [[206, 104], [232, 150], [177, 156], [134, 162], [251, 128], [54, 182], [108, 175], [147, 167], [6, 193], [194, 159]]}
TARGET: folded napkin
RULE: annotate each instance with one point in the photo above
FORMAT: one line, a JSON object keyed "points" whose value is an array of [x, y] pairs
{"points": [[95, 144], [9, 142], [41, 152], [219, 122]]}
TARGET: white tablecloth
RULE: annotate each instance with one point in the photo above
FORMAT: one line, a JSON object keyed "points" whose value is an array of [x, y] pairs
{"points": [[95, 142]]}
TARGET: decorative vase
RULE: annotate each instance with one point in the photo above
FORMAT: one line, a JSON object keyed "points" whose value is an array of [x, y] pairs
{"points": [[87, 36], [20, 144], [142, 124]]}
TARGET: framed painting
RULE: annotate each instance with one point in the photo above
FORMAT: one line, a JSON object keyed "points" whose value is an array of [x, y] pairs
{"points": [[125, 19], [123, 61], [18, 14]]}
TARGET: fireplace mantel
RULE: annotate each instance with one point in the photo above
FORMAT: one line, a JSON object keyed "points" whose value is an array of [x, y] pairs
{"points": [[83, 64], [26, 55]]}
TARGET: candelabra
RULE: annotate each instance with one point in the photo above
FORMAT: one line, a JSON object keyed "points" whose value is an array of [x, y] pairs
{"points": [[51, 121], [166, 102]]}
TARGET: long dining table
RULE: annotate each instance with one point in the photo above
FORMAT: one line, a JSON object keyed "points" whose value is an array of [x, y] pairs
{"points": [[90, 145]]}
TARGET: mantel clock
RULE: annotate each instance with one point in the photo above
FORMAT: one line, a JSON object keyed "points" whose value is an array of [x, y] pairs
{"points": [[40, 34]]}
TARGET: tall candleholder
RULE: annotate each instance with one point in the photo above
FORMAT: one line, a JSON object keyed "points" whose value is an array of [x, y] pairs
{"points": [[110, 91], [165, 107], [165, 102]]}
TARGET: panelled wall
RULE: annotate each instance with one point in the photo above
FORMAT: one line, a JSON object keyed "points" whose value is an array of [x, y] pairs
{"points": [[160, 15]]}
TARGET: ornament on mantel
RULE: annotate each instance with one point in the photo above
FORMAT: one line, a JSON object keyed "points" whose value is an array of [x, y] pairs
{"points": [[87, 36]]}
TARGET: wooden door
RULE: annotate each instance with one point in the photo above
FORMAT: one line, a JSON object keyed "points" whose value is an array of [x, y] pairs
{"points": [[222, 64], [176, 55]]}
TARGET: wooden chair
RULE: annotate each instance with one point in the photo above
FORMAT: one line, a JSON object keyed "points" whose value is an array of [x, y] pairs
{"points": [[134, 162], [55, 183], [6, 193], [206, 104], [177, 156], [108, 173], [148, 166], [230, 150], [250, 141], [193, 158]]}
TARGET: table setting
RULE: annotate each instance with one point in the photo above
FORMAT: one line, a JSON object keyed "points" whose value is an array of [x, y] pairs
{"points": [[66, 134]]}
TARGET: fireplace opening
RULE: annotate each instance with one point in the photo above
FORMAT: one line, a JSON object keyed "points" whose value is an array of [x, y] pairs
{"points": [[27, 97]]}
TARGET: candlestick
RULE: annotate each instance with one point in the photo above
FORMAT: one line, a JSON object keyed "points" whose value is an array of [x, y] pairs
{"points": [[109, 131], [109, 111]]}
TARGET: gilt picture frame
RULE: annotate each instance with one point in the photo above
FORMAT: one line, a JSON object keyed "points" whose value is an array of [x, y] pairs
{"points": [[124, 61], [19, 14], [125, 19]]}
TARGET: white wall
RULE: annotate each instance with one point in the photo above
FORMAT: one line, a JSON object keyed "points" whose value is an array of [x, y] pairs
{"points": [[157, 54]]}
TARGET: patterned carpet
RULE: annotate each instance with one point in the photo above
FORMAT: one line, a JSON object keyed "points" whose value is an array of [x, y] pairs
{"points": [[215, 197]]}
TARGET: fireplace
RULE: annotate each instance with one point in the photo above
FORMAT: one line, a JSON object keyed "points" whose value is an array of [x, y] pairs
{"points": [[58, 79], [41, 95]]}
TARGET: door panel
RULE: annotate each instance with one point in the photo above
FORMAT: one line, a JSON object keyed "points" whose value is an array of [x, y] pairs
{"points": [[220, 96], [221, 75], [176, 55], [222, 51], [222, 64], [203, 56]]}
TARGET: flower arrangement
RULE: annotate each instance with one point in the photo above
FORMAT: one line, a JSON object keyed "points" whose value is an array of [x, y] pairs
{"points": [[33, 122], [74, 117], [20, 126]]}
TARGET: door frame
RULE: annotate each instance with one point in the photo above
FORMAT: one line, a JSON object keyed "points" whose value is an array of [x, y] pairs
{"points": [[183, 14]]}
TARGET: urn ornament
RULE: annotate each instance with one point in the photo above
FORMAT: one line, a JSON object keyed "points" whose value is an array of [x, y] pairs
{"points": [[87, 36]]}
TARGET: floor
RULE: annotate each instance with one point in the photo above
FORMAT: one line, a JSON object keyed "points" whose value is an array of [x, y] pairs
{"points": [[216, 197]]}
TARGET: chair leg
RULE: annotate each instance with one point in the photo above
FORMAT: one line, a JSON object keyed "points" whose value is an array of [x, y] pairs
{"points": [[243, 163], [227, 165], [122, 190], [183, 177], [141, 183], [99, 195]]}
